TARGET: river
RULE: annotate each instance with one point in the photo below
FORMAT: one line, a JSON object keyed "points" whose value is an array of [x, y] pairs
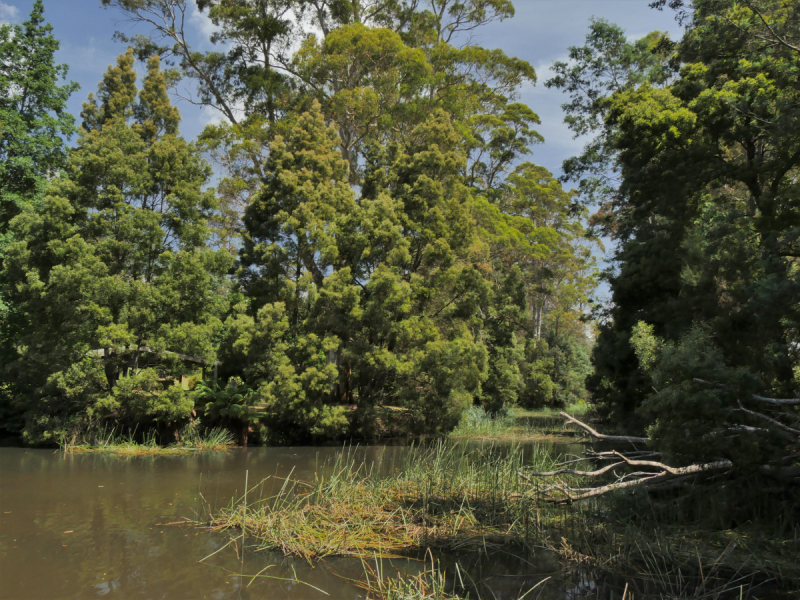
{"points": [[95, 525]]}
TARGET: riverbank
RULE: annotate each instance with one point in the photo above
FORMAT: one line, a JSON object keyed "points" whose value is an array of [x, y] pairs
{"points": [[452, 500], [130, 445], [517, 425]]}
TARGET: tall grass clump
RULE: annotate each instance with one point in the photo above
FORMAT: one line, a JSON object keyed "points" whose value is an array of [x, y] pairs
{"points": [[111, 441], [210, 439], [441, 496], [478, 424], [430, 584]]}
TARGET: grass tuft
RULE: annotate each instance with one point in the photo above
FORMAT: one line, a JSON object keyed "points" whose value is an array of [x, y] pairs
{"points": [[128, 444], [441, 496], [515, 426]]}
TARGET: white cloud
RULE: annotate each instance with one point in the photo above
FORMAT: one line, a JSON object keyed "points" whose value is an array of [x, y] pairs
{"points": [[8, 13], [201, 22], [211, 116]]}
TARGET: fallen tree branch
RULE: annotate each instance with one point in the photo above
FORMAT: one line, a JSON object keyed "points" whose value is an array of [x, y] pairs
{"points": [[596, 473], [773, 422], [696, 468], [668, 475], [590, 455], [664, 478], [778, 401], [599, 491], [601, 436]]}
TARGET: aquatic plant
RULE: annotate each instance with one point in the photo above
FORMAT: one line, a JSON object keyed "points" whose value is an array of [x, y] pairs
{"points": [[430, 584], [477, 423], [128, 443], [438, 496]]}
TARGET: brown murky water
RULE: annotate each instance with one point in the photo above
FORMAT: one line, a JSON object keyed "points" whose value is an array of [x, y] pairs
{"points": [[92, 525]]}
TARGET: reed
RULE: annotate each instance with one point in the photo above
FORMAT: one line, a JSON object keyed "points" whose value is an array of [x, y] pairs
{"points": [[430, 584], [477, 424], [129, 444], [441, 496]]}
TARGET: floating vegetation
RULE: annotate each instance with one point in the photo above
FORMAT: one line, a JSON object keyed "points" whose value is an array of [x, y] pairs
{"points": [[440, 496], [111, 442]]}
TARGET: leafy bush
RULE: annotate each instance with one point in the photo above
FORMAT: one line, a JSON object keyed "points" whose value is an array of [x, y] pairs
{"points": [[693, 410]]}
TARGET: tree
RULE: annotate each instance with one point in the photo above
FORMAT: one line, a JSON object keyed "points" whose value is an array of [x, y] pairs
{"points": [[392, 255], [121, 295], [378, 70], [33, 116], [34, 124], [706, 215]]}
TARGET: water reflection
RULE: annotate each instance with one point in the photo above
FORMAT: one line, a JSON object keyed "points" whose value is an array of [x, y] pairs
{"points": [[91, 525]]}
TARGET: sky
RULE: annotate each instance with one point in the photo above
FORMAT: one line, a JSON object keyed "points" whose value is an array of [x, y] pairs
{"points": [[540, 32]]}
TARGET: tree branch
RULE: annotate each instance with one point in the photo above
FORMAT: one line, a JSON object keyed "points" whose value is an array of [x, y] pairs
{"points": [[773, 422], [601, 436], [596, 473]]}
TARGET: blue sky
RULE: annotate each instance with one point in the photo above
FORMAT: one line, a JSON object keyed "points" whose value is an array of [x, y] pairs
{"points": [[540, 33]]}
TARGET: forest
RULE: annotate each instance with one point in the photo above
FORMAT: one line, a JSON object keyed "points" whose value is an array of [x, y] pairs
{"points": [[361, 237], [360, 246], [360, 249]]}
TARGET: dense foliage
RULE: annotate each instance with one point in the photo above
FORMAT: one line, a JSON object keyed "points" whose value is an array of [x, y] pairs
{"points": [[375, 252], [33, 125], [695, 163]]}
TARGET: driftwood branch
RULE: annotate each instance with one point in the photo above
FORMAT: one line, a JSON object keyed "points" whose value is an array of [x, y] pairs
{"points": [[601, 436], [778, 401], [677, 471], [662, 477], [667, 476]]}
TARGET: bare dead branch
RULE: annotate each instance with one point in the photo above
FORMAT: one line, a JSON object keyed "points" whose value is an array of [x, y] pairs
{"points": [[599, 491], [775, 401], [775, 423], [778, 401], [601, 436], [596, 473], [696, 468]]}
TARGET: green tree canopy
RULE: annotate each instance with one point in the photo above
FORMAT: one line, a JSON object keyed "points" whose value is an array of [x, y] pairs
{"points": [[705, 214], [112, 271]]}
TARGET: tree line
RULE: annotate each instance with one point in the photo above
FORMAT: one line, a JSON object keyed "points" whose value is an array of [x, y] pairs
{"points": [[362, 238], [360, 241]]}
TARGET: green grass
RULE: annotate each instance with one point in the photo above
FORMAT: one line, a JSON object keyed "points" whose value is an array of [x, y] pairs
{"points": [[477, 424], [430, 584], [575, 409], [111, 442], [442, 496], [450, 499]]}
